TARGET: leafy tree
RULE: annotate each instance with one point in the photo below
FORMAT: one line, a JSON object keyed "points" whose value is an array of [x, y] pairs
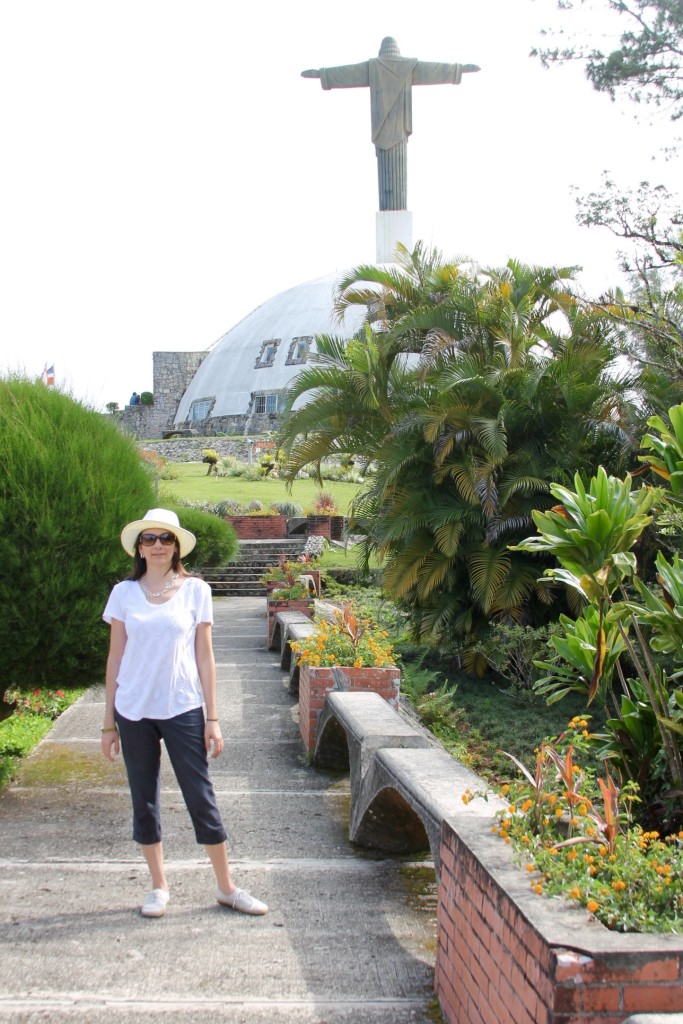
{"points": [[646, 65], [650, 317]]}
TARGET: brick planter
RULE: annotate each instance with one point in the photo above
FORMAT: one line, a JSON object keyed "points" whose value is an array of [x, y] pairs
{"points": [[318, 526], [316, 683], [300, 604], [505, 954], [336, 527], [259, 527]]}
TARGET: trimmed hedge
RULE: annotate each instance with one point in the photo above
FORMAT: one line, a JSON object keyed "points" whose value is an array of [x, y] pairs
{"points": [[69, 481]]}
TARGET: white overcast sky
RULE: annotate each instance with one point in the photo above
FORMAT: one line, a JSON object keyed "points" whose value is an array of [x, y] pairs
{"points": [[165, 169]]}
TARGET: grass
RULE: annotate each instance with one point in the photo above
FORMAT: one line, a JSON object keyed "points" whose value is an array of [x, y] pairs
{"points": [[193, 484], [20, 733]]}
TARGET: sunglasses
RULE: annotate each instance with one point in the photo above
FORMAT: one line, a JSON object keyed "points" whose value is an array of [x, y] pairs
{"points": [[148, 539]]}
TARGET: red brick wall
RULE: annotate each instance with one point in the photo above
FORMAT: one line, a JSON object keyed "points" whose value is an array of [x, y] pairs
{"points": [[259, 527], [495, 965], [316, 683], [303, 604], [318, 526]]}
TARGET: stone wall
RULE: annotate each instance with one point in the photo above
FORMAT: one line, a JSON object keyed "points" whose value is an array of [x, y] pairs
{"points": [[172, 374], [247, 424], [191, 449]]}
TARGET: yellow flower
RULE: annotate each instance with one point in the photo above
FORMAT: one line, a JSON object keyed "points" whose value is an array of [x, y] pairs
{"points": [[592, 906], [618, 885], [575, 893], [538, 888]]}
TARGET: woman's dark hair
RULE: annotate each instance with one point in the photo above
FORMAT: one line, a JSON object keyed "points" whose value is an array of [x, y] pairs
{"points": [[140, 565]]}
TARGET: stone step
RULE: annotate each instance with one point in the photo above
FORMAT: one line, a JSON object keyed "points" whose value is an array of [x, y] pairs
{"points": [[242, 578]]}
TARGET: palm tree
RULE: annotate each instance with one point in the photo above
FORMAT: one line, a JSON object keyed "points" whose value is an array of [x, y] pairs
{"points": [[496, 400]]}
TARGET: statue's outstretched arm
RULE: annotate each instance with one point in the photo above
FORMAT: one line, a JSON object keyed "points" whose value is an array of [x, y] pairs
{"points": [[433, 73], [347, 76]]}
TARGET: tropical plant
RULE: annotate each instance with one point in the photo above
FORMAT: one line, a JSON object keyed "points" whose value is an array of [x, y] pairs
{"points": [[592, 532], [573, 831], [466, 438]]}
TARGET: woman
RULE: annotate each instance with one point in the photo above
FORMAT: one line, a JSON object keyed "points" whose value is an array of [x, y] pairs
{"points": [[160, 671]]}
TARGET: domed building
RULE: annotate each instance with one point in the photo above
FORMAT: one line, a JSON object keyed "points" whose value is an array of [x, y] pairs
{"points": [[237, 386]]}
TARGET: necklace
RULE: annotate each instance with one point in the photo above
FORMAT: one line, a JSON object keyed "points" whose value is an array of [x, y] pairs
{"points": [[164, 590]]}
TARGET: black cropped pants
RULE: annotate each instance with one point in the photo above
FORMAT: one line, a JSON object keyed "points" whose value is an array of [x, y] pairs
{"points": [[183, 737]]}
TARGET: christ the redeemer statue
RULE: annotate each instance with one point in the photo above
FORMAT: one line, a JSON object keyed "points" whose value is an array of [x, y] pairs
{"points": [[390, 78]]}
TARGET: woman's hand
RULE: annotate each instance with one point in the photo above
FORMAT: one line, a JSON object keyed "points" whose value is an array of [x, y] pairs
{"points": [[109, 743], [213, 739]]}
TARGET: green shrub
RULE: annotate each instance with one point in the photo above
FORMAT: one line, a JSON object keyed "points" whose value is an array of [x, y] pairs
{"points": [[230, 465], [217, 542], [287, 508], [146, 398], [230, 507], [69, 481]]}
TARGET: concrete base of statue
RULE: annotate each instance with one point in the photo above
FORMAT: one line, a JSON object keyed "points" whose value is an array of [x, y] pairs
{"points": [[393, 226]]}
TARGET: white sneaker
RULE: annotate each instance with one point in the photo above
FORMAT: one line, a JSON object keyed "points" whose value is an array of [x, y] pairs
{"points": [[155, 903], [243, 901]]}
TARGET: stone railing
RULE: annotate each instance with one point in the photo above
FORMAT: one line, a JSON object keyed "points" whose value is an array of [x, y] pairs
{"points": [[504, 954]]}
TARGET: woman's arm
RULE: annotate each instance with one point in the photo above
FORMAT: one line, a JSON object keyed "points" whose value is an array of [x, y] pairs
{"points": [[206, 666], [117, 645]]}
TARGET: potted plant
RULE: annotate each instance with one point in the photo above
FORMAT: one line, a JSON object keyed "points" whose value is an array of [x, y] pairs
{"points": [[358, 646], [286, 591]]}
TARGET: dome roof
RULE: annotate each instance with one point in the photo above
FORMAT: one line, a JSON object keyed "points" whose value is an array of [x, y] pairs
{"points": [[262, 353]]}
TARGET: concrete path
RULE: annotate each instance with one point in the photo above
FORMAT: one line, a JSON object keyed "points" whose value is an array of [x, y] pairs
{"points": [[349, 937]]}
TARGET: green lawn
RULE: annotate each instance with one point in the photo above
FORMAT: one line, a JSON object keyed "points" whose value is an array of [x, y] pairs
{"points": [[192, 483]]}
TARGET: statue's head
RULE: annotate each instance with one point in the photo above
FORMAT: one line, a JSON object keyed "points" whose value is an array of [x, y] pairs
{"points": [[389, 48]]}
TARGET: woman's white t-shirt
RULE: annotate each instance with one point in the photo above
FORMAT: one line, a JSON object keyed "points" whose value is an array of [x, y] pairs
{"points": [[158, 675]]}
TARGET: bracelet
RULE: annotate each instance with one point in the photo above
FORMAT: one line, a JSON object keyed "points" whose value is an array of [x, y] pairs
{"points": [[113, 729], [211, 719]]}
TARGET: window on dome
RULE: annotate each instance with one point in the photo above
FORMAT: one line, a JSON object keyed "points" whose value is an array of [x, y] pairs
{"points": [[200, 409], [266, 356], [265, 404], [298, 350]]}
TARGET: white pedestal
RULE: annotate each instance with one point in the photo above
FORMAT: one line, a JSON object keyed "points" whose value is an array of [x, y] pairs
{"points": [[393, 226]]}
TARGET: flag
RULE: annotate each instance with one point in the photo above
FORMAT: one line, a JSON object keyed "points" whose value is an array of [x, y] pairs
{"points": [[49, 376]]}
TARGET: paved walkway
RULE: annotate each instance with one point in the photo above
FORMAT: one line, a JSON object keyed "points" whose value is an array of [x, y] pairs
{"points": [[349, 937]]}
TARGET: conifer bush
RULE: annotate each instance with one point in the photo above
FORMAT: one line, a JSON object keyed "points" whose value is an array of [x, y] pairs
{"points": [[69, 481], [217, 542]]}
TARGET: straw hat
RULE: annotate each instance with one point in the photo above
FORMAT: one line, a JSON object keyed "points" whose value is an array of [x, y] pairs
{"points": [[157, 519]]}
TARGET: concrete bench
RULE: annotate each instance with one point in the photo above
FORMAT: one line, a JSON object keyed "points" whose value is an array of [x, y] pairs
{"points": [[355, 725], [403, 784], [290, 626], [405, 796], [281, 627]]}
